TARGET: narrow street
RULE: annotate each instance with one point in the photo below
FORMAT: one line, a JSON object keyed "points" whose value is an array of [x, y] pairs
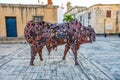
{"points": [[97, 61]]}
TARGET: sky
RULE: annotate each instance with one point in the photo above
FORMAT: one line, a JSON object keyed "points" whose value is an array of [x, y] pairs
{"points": [[87, 3]]}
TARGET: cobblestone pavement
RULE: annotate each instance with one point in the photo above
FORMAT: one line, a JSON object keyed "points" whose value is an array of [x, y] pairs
{"points": [[97, 61]]}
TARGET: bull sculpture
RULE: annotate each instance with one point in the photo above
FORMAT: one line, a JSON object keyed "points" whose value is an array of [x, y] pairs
{"points": [[72, 34]]}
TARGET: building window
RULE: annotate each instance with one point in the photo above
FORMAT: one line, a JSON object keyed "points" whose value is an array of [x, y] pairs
{"points": [[89, 15], [80, 18], [89, 25], [38, 18], [108, 13]]}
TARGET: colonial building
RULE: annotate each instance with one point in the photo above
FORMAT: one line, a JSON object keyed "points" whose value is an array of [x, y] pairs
{"points": [[14, 17], [73, 10], [104, 18]]}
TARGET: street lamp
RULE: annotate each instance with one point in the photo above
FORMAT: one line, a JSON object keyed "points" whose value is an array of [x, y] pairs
{"points": [[105, 35]]}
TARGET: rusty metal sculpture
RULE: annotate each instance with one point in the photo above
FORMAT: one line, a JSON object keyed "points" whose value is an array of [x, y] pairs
{"points": [[72, 34]]}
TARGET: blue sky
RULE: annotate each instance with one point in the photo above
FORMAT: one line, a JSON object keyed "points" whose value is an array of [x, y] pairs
{"points": [[60, 2]]}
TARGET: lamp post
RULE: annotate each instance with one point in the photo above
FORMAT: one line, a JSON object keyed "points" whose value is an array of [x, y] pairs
{"points": [[117, 25], [105, 35]]}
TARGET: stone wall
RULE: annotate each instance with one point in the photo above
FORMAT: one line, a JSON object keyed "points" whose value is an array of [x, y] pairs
{"points": [[23, 13]]}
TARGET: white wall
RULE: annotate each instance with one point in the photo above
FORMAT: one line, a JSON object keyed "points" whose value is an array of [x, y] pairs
{"points": [[85, 21], [60, 15]]}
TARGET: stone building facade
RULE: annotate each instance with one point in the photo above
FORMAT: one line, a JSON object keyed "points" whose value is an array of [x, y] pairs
{"points": [[104, 18], [14, 17], [73, 10]]}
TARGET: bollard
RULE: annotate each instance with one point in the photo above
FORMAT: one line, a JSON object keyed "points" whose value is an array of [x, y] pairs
{"points": [[105, 35], [118, 34]]}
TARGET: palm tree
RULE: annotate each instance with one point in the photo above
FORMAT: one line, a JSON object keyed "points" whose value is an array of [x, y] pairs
{"points": [[68, 18]]}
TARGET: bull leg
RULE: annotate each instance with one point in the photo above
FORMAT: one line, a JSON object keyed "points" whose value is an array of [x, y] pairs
{"points": [[40, 54], [65, 51], [33, 54], [48, 48], [74, 49]]}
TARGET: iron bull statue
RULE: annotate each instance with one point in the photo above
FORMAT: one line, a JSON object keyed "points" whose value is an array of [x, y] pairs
{"points": [[71, 34]]}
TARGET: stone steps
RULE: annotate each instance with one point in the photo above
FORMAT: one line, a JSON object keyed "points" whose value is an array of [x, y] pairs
{"points": [[11, 40]]}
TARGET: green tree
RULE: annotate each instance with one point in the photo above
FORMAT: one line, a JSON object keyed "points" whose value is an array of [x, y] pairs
{"points": [[68, 18]]}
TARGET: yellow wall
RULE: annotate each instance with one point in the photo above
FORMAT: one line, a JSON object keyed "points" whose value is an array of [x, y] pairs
{"points": [[98, 15], [23, 14], [108, 21], [101, 16]]}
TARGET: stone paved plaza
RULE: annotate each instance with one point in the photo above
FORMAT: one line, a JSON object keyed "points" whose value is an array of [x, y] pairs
{"points": [[97, 61]]}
